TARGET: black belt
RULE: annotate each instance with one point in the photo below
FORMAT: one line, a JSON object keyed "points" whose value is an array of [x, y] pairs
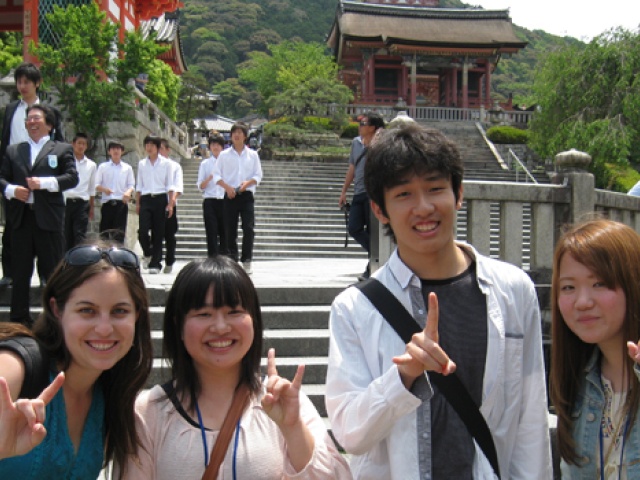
{"points": [[154, 195], [113, 202], [77, 200]]}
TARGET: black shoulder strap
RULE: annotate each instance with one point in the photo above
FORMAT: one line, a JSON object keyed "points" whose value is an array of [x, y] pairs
{"points": [[360, 157], [36, 364], [450, 386]]}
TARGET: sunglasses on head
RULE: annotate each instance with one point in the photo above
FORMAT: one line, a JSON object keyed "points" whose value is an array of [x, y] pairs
{"points": [[84, 255]]}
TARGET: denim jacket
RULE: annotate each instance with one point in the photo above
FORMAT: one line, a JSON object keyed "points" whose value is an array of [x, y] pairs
{"points": [[586, 415]]}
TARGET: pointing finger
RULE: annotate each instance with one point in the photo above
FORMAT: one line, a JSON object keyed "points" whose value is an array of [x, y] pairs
{"points": [[431, 327], [48, 393], [271, 363]]}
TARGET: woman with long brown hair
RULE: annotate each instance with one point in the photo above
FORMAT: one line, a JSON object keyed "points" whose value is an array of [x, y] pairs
{"points": [[67, 389], [595, 352]]}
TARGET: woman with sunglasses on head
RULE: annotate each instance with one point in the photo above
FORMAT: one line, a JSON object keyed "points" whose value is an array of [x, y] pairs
{"points": [[217, 418], [67, 389], [595, 351]]}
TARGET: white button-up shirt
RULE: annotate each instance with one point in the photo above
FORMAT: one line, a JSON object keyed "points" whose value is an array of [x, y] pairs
{"points": [[86, 187], [374, 417], [234, 168], [19, 132], [177, 182], [116, 177], [155, 178], [207, 168]]}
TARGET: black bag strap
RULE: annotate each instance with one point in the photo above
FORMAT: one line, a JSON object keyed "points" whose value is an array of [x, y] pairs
{"points": [[450, 386], [360, 157]]}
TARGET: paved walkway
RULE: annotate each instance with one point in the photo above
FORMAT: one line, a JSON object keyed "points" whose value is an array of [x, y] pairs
{"points": [[286, 273]]}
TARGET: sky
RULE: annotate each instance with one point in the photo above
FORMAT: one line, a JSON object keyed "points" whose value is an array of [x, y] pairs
{"points": [[582, 19]]}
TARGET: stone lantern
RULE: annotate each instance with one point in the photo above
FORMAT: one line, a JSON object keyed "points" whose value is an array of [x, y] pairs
{"points": [[573, 161]]}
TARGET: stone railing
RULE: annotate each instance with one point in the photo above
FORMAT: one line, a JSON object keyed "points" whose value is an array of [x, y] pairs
{"points": [[443, 114], [527, 218]]}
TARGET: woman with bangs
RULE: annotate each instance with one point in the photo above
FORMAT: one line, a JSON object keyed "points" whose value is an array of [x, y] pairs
{"points": [[216, 418], [67, 388], [594, 375]]}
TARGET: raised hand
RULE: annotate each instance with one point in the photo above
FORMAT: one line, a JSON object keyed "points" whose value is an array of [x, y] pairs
{"points": [[282, 402], [423, 351], [634, 351], [22, 421]]}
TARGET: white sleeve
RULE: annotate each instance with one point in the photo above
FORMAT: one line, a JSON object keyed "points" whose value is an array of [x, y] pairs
{"points": [[363, 407]]}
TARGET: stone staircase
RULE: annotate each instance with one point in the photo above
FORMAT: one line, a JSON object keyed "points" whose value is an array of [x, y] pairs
{"points": [[297, 213]]}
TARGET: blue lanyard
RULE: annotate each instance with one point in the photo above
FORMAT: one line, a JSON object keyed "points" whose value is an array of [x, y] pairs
{"points": [[206, 449], [602, 460]]}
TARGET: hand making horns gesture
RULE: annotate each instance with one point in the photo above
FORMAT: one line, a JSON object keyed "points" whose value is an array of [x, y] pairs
{"points": [[423, 351], [282, 400], [22, 421]]}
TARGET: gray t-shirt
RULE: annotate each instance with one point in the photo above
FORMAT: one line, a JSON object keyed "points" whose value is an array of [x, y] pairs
{"points": [[462, 330], [357, 149]]}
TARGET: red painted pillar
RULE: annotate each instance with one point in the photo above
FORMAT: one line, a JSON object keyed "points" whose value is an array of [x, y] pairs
{"points": [[30, 28], [487, 85], [454, 87]]}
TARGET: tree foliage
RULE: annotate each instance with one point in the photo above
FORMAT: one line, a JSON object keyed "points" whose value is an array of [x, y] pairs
{"points": [[288, 69], [589, 99], [10, 51], [86, 68]]}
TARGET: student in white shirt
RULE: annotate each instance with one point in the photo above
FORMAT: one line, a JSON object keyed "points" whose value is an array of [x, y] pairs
{"points": [[482, 321], [213, 203], [80, 199], [155, 195], [239, 172], [171, 224], [116, 182]]}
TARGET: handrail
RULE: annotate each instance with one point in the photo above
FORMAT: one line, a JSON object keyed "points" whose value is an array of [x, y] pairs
{"points": [[522, 166]]}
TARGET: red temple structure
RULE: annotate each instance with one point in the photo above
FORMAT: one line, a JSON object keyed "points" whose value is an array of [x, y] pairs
{"points": [[28, 16], [418, 51]]}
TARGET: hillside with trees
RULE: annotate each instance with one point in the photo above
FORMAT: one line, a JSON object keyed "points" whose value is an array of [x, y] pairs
{"points": [[219, 36]]}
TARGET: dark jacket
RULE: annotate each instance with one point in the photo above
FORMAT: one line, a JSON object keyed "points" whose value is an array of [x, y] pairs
{"points": [[54, 160]]}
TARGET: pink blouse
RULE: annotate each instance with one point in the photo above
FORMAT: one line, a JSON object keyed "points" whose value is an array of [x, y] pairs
{"points": [[172, 445]]}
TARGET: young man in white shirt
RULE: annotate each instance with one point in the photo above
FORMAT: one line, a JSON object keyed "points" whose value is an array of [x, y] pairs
{"points": [[80, 199], [116, 182], [213, 195], [155, 194], [482, 321], [171, 224], [239, 172]]}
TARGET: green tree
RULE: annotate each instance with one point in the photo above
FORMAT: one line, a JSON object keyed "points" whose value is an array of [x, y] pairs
{"points": [[193, 91], [311, 98], [589, 99], [10, 51], [290, 65], [91, 78], [237, 101]]}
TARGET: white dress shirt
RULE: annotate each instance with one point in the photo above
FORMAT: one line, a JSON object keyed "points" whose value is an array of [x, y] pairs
{"points": [[374, 417], [86, 187], [155, 177], [177, 182], [212, 190], [116, 177], [19, 132], [234, 168]]}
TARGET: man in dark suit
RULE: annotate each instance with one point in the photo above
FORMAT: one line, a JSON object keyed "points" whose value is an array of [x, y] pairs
{"points": [[28, 79], [33, 176]]}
